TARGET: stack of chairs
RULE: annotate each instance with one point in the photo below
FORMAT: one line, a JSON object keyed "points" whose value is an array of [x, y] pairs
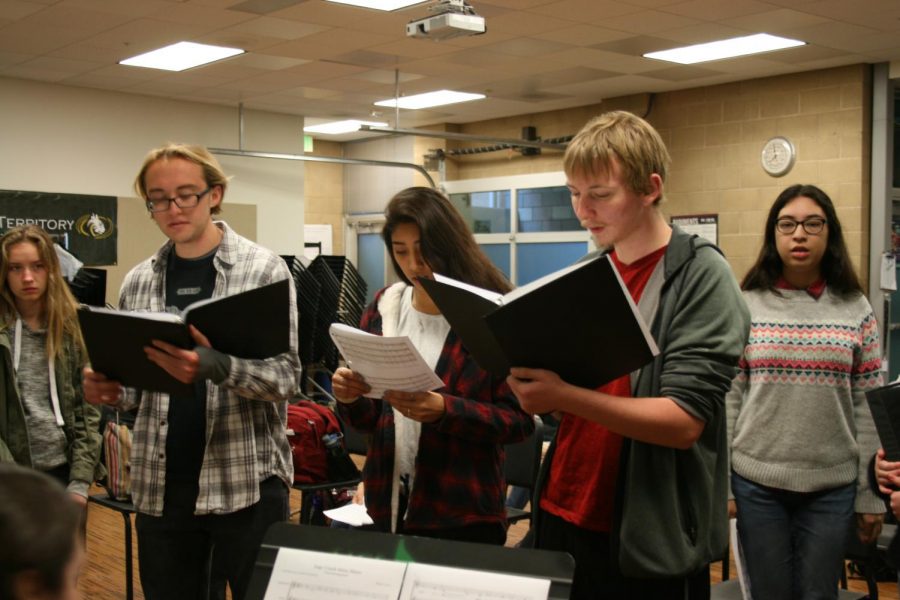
{"points": [[352, 298], [89, 286], [309, 291], [326, 353], [329, 290]]}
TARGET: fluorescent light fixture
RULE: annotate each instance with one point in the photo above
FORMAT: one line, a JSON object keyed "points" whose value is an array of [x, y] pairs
{"points": [[739, 46], [429, 99], [336, 127], [379, 4], [180, 56]]}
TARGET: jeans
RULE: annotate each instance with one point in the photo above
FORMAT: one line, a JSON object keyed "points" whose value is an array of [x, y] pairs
{"points": [[175, 550], [518, 497], [793, 542]]}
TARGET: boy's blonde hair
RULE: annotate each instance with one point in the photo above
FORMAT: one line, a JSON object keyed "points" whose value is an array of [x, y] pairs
{"points": [[634, 144], [212, 170]]}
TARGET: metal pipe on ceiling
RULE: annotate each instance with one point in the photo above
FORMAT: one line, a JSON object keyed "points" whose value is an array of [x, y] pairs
{"points": [[448, 135], [326, 159]]}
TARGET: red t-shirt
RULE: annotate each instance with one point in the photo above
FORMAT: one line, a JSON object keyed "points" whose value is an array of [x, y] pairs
{"points": [[582, 481]]}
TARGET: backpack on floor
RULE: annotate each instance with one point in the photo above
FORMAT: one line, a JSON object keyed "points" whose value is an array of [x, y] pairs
{"points": [[307, 422]]}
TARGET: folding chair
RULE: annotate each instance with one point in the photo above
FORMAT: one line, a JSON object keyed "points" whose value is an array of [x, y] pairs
{"points": [[523, 460]]}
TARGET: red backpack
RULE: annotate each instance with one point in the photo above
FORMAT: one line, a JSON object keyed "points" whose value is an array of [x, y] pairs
{"points": [[309, 421]]}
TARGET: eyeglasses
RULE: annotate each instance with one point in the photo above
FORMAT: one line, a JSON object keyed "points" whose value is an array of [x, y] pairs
{"points": [[812, 225], [161, 202]]}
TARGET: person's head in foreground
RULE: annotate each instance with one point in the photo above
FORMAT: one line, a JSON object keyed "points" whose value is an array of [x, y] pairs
{"points": [[41, 547]]}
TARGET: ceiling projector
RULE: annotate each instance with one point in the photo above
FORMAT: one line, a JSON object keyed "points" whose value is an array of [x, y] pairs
{"points": [[454, 18]]}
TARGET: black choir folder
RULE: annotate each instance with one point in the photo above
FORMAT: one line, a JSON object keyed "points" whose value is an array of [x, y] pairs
{"points": [[253, 324], [884, 402], [580, 322]]}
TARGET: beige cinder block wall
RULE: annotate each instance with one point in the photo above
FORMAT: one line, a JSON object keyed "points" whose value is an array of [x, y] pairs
{"points": [[323, 189], [715, 135]]}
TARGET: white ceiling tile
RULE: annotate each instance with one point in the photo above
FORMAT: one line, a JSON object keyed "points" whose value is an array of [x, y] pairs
{"points": [[525, 23], [583, 35], [305, 56], [67, 66], [716, 10], [527, 47], [266, 62], [276, 28], [99, 81], [17, 9], [647, 22], [32, 73], [415, 48], [385, 77], [775, 21], [586, 11], [130, 8]]}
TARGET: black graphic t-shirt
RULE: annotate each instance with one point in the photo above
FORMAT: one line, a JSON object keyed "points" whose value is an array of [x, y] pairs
{"points": [[187, 281]]}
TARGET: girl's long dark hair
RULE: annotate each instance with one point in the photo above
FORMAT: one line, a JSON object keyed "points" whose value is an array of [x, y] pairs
{"points": [[447, 245], [836, 268]]}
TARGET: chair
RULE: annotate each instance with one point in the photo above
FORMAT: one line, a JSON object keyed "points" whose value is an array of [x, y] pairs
{"points": [[354, 443], [523, 461], [126, 509], [863, 555]]}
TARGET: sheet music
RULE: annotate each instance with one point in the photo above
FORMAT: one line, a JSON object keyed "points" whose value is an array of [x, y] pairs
{"points": [[301, 574], [351, 514], [387, 363], [431, 582]]}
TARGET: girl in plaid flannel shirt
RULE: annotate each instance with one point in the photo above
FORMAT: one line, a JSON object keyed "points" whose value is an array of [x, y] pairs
{"points": [[434, 466]]}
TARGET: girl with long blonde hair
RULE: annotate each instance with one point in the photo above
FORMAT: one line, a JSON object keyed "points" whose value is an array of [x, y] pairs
{"points": [[48, 426]]}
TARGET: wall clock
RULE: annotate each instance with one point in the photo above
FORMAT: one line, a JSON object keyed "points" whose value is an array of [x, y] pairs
{"points": [[778, 155]]}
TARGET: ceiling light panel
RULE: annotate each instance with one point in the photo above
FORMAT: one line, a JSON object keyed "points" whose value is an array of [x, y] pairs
{"points": [[731, 48], [430, 99], [338, 127], [181, 56], [379, 4]]}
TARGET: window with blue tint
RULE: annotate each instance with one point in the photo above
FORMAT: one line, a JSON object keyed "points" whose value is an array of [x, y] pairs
{"points": [[536, 260], [370, 256], [485, 212], [499, 255], [546, 209]]}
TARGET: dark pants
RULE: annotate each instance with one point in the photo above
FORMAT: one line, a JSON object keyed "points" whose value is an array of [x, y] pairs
{"points": [[483, 533], [479, 533], [175, 550], [597, 574]]}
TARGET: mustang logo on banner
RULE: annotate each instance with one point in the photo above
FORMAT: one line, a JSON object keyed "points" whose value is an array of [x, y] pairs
{"points": [[84, 225]]}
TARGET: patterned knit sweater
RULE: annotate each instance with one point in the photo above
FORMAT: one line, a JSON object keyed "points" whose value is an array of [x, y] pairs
{"points": [[797, 414]]}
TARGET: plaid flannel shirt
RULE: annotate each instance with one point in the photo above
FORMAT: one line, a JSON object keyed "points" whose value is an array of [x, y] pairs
{"points": [[245, 414], [459, 466]]}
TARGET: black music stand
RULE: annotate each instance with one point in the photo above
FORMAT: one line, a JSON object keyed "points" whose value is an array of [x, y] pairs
{"points": [[558, 567]]}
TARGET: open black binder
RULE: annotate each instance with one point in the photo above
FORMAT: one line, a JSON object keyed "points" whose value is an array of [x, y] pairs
{"points": [[253, 324], [558, 567], [579, 322]]}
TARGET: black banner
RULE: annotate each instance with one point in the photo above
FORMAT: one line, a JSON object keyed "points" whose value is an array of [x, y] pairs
{"points": [[84, 225]]}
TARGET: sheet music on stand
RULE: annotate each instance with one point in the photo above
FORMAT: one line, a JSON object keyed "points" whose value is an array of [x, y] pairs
{"points": [[299, 574], [304, 561]]}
